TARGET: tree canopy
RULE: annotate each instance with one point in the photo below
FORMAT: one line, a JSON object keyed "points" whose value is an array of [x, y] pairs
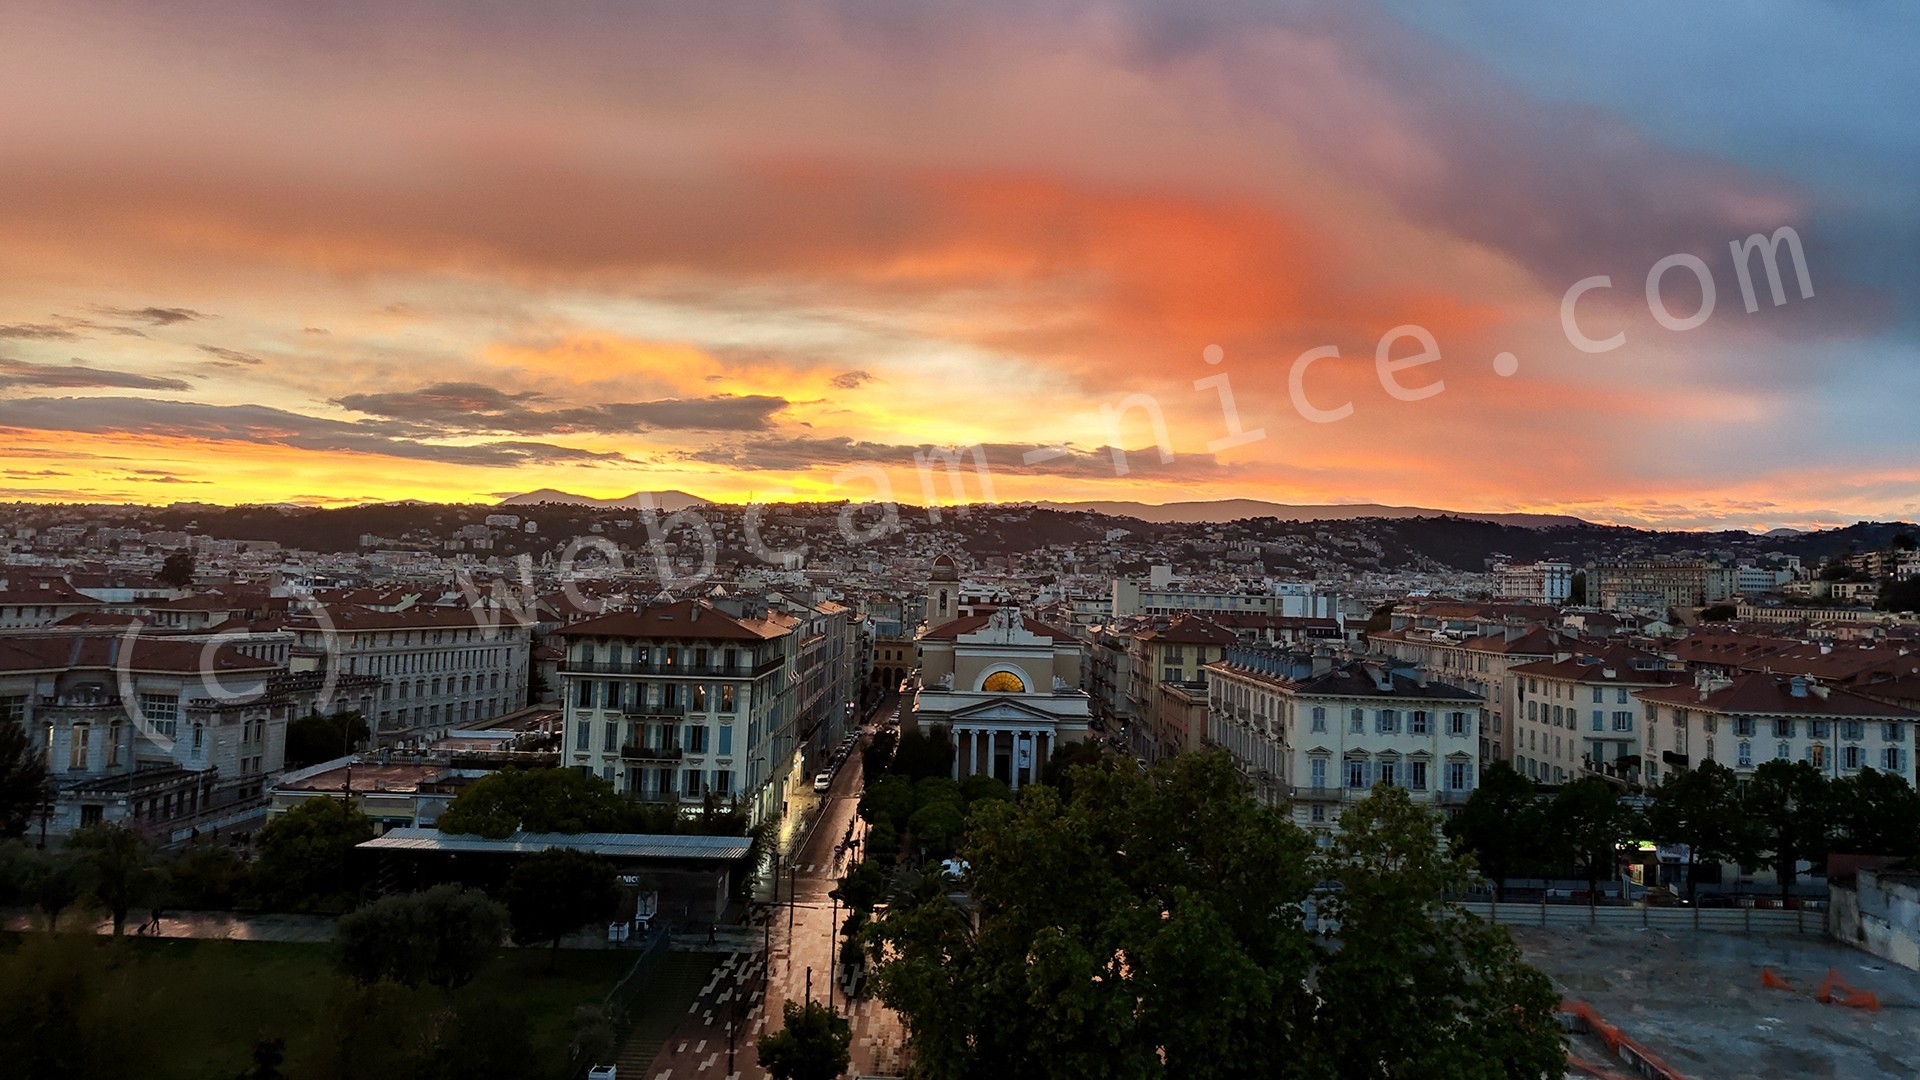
{"points": [[1501, 824], [441, 937], [23, 780], [306, 855], [535, 800], [813, 1044], [317, 738], [1150, 924], [1701, 809]]}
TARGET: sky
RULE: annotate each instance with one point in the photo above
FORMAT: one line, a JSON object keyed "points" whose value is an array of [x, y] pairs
{"points": [[1303, 252]]}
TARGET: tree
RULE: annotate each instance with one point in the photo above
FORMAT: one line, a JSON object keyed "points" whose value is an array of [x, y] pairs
{"points": [[1150, 925], [1589, 823], [268, 1056], [441, 937], [1500, 824], [535, 800], [888, 800], [315, 738], [922, 754], [122, 867], [1460, 995], [306, 855], [1718, 613], [1577, 592], [23, 780], [1900, 596], [64, 1013], [485, 1040], [1700, 808], [1790, 807], [51, 881], [557, 891], [205, 877], [813, 1045], [176, 571], [1380, 620], [1876, 813]]}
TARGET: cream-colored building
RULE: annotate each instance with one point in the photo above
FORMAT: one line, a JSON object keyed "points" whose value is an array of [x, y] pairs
{"points": [[1006, 688]]}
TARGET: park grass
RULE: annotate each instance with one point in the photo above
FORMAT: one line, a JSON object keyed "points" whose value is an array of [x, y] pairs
{"points": [[202, 1005]]}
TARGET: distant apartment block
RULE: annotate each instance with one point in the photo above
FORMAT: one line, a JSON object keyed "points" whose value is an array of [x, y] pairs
{"points": [[1534, 582]]}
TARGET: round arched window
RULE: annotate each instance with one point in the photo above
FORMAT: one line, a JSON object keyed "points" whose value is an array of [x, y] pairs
{"points": [[1004, 682]]}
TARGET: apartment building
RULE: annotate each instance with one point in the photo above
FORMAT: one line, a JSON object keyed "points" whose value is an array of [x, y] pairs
{"points": [[440, 667], [1480, 664], [678, 701], [1167, 668], [1534, 582], [1161, 597], [1656, 585], [1322, 736], [1755, 717], [1006, 689], [1579, 716]]}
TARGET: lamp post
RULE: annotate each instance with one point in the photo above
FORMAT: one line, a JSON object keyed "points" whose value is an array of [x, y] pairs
{"points": [[833, 950]]}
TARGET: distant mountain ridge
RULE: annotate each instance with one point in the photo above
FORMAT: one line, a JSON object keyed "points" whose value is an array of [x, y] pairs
{"points": [[1218, 510], [668, 501]]}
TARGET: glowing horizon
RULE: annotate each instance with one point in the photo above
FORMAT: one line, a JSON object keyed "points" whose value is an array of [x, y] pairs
{"points": [[258, 254]]}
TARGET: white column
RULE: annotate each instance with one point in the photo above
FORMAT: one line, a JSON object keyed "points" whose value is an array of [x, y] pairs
{"points": [[973, 754], [956, 752], [1014, 756]]}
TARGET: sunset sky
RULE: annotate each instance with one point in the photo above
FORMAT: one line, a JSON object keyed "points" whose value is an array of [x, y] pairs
{"points": [[329, 253]]}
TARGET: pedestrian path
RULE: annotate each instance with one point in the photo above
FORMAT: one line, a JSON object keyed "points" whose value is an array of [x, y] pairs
{"points": [[199, 925]]}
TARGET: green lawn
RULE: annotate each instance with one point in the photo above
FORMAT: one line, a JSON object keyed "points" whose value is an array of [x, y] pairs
{"points": [[196, 1008]]}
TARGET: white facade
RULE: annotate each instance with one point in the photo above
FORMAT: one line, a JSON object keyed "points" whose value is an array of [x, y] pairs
{"points": [[1536, 582]]}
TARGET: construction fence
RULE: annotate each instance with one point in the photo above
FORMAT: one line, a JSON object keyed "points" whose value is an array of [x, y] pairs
{"points": [[1811, 923]]}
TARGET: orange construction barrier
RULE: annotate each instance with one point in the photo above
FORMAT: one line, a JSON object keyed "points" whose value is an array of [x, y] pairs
{"points": [[1853, 999], [1773, 982]]}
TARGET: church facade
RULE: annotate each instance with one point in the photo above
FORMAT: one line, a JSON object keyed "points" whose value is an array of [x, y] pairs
{"points": [[1006, 688]]}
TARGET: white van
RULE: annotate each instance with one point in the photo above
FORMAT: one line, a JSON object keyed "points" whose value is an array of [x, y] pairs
{"points": [[822, 781]]}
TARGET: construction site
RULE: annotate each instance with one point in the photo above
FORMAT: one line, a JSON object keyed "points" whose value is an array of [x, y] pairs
{"points": [[1652, 1005]]}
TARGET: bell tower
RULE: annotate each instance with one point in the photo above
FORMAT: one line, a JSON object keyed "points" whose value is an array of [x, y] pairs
{"points": [[943, 592]]}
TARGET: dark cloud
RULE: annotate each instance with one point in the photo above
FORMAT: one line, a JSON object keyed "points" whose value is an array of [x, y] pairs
{"points": [[37, 332], [805, 452], [851, 380], [230, 357], [153, 316], [469, 408], [317, 330], [262, 425], [77, 375]]}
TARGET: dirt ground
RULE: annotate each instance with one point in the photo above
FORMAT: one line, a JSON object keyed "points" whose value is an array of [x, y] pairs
{"points": [[1696, 1000]]}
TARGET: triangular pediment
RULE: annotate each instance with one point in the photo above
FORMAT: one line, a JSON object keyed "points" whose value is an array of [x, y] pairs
{"points": [[1003, 710]]}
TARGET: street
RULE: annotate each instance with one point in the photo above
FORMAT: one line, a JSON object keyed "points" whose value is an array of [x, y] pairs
{"points": [[804, 924]]}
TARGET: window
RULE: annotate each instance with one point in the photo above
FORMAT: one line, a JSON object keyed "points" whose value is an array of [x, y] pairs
{"points": [[724, 743], [696, 738], [1622, 720], [1318, 813], [1599, 720], [1599, 694], [1386, 722], [1817, 754], [583, 695], [1894, 732], [699, 697], [726, 692], [1358, 723], [1356, 774], [611, 744], [1417, 775], [1171, 674], [1533, 711], [690, 782], [1746, 755], [1783, 727], [1459, 775], [1743, 726], [162, 712], [1417, 722], [1457, 723], [1853, 729], [1818, 729], [583, 736], [1389, 773], [1319, 718], [1318, 770], [1783, 750], [1893, 760], [1850, 757], [77, 748], [723, 783]]}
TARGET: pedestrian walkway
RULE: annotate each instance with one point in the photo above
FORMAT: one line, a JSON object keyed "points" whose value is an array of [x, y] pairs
{"points": [[200, 925]]}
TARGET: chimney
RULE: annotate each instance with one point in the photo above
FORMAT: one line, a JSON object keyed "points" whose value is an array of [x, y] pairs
{"points": [[1820, 691]]}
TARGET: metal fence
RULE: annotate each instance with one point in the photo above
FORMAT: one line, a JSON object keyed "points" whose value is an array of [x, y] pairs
{"points": [[1716, 920], [618, 1003]]}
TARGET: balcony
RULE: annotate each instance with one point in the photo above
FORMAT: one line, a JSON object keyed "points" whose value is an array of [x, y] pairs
{"points": [[709, 670], [662, 708], [630, 752]]}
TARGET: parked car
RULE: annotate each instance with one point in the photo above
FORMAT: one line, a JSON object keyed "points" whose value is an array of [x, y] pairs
{"points": [[822, 780]]}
